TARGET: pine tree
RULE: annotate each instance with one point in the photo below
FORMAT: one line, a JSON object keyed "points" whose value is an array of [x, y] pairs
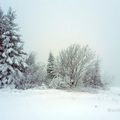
{"points": [[2, 38], [12, 62], [51, 67], [2, 24]]}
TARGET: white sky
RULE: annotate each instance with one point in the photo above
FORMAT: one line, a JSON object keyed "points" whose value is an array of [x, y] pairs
{"points": [[54, 24]]}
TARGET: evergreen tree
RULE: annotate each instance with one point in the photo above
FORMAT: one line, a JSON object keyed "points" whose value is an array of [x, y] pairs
{"points": [[51, 67], [2, 38], [2, 25], [12, 59]]}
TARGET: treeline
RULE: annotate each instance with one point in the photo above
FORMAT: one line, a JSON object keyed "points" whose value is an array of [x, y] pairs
{"points": [[74, 66]]}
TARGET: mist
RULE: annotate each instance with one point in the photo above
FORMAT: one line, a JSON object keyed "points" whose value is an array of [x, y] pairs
{"points": [[53, 25]]}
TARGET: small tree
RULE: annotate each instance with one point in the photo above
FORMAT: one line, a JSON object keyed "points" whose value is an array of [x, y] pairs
{"points": [[51, 67]]}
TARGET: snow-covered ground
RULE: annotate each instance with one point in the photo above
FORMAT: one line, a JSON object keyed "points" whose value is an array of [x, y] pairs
{"points": [[59, 105]]}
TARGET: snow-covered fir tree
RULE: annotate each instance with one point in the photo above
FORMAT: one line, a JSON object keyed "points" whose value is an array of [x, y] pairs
{"points": [[12, 59], [51, 67], [2, 38]]}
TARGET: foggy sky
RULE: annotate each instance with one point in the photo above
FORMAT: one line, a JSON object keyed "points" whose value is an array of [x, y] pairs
{"points": [[50, 25]]}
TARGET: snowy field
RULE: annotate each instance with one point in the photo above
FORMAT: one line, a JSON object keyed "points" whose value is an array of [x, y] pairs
{"points": [[59, 105]]}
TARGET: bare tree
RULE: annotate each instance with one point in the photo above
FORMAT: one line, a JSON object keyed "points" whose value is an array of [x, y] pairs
{"points": [[74, 62]]}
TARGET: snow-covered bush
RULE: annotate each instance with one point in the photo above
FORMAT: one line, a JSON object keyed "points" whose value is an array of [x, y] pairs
{"points": [[43, 86], [58, 83]]}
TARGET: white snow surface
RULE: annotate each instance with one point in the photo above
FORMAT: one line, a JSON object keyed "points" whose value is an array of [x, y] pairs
{"points": [[53, 104]]}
